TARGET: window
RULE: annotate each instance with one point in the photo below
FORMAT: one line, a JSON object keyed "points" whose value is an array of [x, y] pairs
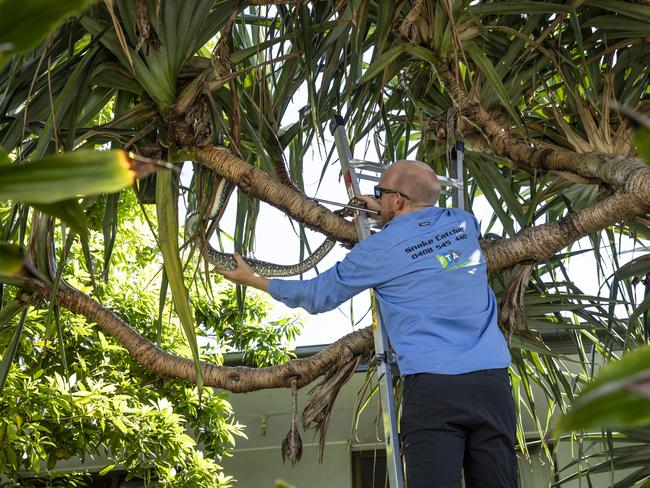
{"points": [[369, 469]]}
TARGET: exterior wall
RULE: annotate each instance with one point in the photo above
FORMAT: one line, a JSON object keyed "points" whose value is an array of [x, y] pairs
{"points": [[535, 472], [257, 460], [266, 415], [259, 468]]}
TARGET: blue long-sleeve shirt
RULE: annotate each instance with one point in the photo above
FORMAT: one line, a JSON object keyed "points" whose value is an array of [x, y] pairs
{"points": [[430, 279]]}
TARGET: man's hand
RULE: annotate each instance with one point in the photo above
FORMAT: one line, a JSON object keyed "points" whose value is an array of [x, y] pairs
{"points": [[371, 204], [244, 275]]}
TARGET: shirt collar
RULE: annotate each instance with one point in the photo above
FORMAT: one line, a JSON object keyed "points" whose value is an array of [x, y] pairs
{"points": [[426, 212]]}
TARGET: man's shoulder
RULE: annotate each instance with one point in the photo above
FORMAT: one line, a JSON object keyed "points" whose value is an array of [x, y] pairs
{"points": [[460, 213], [463, 217], [395, 233], [434, 217]]}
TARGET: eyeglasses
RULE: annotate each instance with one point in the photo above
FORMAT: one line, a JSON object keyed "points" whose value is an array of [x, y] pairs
{"points": [[379, 191]]}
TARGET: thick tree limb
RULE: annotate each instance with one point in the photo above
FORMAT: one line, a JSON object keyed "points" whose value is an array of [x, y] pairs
{"points": [[533, 243], [236, 379], [257, 183], [615, 170], [537, 243], [472, 138], [476, 141]]}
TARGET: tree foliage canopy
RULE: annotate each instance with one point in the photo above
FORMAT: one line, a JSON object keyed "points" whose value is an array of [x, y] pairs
{"points": [[546, 97]]}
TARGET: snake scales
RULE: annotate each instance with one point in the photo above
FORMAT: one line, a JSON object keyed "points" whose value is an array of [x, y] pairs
{"points": [[226, 261]]}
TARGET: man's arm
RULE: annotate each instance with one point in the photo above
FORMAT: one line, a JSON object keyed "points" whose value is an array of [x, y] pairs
{"points": [[244, 275], [322, 293], [357, 272]]}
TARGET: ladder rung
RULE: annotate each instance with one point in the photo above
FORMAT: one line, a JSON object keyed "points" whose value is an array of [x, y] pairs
{"points": [[367, 177], [368, 165], [379, 168], [444, 181], [373, 224]]}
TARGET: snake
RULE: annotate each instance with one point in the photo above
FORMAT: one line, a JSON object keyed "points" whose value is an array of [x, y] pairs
{"points": [[221, 260]]}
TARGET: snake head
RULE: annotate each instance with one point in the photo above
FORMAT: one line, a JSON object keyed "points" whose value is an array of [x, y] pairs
{"points": [[191, 223]]}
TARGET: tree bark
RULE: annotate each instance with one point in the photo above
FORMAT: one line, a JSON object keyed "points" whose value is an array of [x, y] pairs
{"points": [[237, 379], [536, 243], [257, 183], [533, 243], [615, 170]]}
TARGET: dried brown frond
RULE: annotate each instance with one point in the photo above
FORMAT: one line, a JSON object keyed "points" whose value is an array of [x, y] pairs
{"points": [[292, 444], [318, 410], [110, 5], [512, 311], [415, 25]]}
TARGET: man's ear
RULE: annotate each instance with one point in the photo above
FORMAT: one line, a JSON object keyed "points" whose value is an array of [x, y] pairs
{"points": [[402, 202]]}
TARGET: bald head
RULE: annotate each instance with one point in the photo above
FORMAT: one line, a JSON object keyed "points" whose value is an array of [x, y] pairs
{"points": [[415, 179]]}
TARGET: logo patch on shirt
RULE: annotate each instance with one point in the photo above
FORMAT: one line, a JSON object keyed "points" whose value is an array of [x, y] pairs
{"points": [[448, 258]]}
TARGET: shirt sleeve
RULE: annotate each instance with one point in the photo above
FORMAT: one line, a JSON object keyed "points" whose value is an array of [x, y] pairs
{"points": [[358, 271]]}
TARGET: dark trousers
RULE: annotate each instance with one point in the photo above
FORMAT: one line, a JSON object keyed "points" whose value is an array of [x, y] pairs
{"points": [[455, 422]]}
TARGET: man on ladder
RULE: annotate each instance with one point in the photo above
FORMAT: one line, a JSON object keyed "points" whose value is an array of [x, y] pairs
{"points": [[430, 282]]}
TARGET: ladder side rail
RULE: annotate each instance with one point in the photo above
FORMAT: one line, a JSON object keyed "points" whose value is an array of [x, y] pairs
{"points": [[459, 200], [351, 182], [384, 369]]}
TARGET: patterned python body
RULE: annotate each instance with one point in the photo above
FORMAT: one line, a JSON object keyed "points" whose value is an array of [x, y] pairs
{"points": [[271, 270], [223, 260]]}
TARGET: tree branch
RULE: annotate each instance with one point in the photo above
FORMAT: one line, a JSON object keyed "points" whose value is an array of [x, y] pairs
{"points": [[533, 243], [257, 183], [615, 170], [540, 242], [237, 379]]}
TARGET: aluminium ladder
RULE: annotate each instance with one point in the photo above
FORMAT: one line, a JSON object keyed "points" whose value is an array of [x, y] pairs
{"points": [[355, 170]]}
